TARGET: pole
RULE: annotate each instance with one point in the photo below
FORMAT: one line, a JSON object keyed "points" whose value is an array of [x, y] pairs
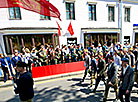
{"points": [[120, 20]]}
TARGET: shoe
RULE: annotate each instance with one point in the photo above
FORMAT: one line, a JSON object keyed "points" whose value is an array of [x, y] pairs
{"points": [[94, 90], [104, 99], [81, 81], [115, 100]]}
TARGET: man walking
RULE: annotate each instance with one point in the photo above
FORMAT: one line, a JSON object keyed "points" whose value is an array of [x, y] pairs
{"points": [[127, 78], [100, 70], [24, 83], [112, 78], [87, 64]]}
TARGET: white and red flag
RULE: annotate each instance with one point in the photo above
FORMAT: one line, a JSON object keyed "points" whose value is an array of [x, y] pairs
{"points": [[42, 7]]}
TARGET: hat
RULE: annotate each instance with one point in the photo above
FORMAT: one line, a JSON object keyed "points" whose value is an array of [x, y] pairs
{"points": [[100, 53], [130, 49], [125, 49], [15, 51], [125, 59], [85, 50]]}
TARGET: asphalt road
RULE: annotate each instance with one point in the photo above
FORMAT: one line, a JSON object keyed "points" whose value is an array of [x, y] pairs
{"points": [[65, 89]]}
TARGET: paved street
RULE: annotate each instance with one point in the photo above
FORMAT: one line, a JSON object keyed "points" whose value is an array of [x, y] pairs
{"points": [[66, 89]]}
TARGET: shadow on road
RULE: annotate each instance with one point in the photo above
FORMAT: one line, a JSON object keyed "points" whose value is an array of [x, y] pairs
{"points": [[59, 94]]}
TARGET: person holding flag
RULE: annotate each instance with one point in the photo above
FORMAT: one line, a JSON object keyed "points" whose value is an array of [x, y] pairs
{"points": [[5, 65]]}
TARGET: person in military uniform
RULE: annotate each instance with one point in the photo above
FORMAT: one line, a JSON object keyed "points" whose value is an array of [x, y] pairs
{"points": [[87, 64], [100, 70], [112, 79], [93, 71]]}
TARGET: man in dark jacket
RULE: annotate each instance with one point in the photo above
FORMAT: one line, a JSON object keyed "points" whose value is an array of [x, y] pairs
{"points": [[24, 83], [127, 78], [100, 70], [112, 78]]}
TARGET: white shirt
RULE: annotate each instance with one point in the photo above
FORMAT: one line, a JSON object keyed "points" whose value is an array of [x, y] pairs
{"points": [[124, 70]]}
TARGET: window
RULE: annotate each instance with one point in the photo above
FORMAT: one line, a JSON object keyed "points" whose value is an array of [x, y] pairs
{"points": [[92, 12], [70, 14], [127, 15], [43, 17], [111, 14], [15, 13]]}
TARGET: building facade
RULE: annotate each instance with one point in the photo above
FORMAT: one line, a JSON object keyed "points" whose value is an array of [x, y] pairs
{"points": [[93, 22]]}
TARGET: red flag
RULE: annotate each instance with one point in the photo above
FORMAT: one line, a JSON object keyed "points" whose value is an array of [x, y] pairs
{"points": [[59, 32], [42, 7], [70, 29]]}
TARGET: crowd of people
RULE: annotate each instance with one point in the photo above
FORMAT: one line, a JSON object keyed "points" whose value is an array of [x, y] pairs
{"points": [[102, 62], [116, 65]]}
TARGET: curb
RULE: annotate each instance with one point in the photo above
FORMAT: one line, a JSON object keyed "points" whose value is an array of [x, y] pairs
{"points": [[58, 76], [10, 83]]}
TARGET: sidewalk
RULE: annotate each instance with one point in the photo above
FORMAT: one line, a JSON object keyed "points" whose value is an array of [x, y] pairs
{"points": [[10, 83]]}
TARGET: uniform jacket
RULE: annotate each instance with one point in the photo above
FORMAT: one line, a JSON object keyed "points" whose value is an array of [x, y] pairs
{"points": [[87, 61], [127, 79], [101, 66], [14, 60]]}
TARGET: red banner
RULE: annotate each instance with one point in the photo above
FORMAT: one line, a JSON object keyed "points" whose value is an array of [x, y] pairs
{"points": [[70, 29], [57, 69], [59, 32], [42, 7]]}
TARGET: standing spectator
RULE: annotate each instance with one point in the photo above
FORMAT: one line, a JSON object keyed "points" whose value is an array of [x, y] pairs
{"points": [[35, 57], [5, 64], [24, 83], [127, 78], [15, 59], [1, 73]]}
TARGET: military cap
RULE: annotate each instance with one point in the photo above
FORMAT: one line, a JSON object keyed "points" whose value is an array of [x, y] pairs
{"points": [[125, 59]]}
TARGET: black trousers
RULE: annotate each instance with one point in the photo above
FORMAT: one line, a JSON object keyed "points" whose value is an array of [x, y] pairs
{"points": [[127, 96], [99, 78], [85, 73]]}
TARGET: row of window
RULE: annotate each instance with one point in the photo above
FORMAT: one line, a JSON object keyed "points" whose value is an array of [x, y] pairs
{"points": [[70, 13]]}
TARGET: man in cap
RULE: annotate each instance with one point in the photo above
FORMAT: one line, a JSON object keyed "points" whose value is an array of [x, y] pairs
{"points": [[112, 79], [100, 70], [127, 81]]}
